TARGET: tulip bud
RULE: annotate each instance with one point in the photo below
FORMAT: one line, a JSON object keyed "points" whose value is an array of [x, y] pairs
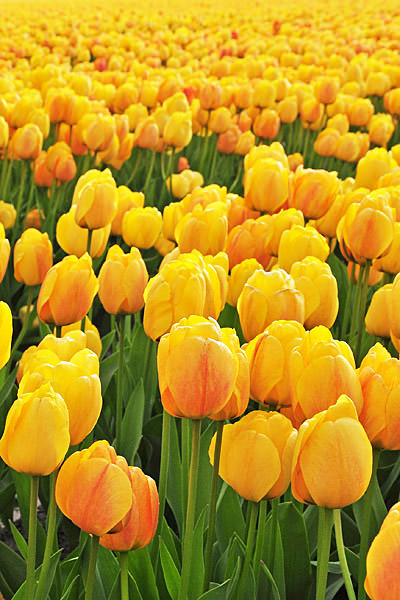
{"points": [[33, 257], [96, 202], [4, 252], [141, 227], [298, 242], [178, 130], [6, 331]]}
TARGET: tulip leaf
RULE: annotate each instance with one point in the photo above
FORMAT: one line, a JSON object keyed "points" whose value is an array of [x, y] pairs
{"points": [[132, 424], [70, 593], [216, 593], [229, 516], [335, 582], [108, 568], [19, 540], [174, 484], [106, 342], [274, 555], [12, 567], [170, 572], [197, 571], [21, 594], [142, 570], [297, 568], [234, 579], [172, 542], [142, 365], [108, 367], [205, 469], [267, 589], [22, 487]]}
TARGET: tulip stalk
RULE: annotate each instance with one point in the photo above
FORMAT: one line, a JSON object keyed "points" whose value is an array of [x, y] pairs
{"points": [[21, 189], [213, 506], [51, 530], [325, 522], [120, 379], [342, 554], [253, 508], [274, 533], [346, 315], [31, 556], [149, 171], [238, 176], [366, 526], [123, 565], [191, 508], [27, 322], [363, 303], [135, 167], [185, 439], [261, 538], [94, 548]]}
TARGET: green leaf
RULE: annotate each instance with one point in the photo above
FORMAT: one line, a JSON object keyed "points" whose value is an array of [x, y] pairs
{"points": [[216, 593], [170, 572], [274, 557], [174, 484], [22, 486], [197, 570], [172, 542], [108, 569], [20, 595], [297, 569], [229, 516], [205, 469], [267, 589], [69, 593], [107, 369], [19, 540], [12, 567], [142, 570], [132, 424], [106, 342]]}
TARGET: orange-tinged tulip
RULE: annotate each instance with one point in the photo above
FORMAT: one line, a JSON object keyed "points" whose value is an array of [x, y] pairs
{"points": [[266, 185], [382, 581], [93, 488], [33, 257], [327, 141], [320, 370], [4, 252], [319, 286], [268, 354], [142, 519], [256, 455], [327, 224], [220, 120], [7, 214], [280, 222], [360, 112], [336, 438], [267, 297], [376, 319], [238, 277], [372, 166], [178, 129], [298, 242], [96, 202], [147, 134], [390, 262], [67, 291], [141, 227], [36, 435], [266, 124], [74, 239], [201, 386], [6, 330], [27, 141], [203, 229], [313, 191], [122, 281]]}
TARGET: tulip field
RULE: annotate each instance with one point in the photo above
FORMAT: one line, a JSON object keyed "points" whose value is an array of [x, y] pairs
{"points": [[199, 300]]}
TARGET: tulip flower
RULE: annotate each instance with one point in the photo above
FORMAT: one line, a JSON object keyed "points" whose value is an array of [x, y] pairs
{"points": [[376, 162], [67, 291], [249, 240], [376, 319], [7, 214], [27, 141], [178, 130], [382, 581], [126, 199], [266, 185], [336, 438], [4, 252], [33, 257], [93, 489], [96, 202], [298, 242], [6, 330], [141, 227], [203, 229], [256, 455], [201, 386], [74, 239], [141, 521], [239, 276], [36, 436], [313, 192]]}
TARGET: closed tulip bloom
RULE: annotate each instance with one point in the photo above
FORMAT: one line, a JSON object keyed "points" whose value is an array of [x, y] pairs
{"points": [[147, 134], [267, 297], [178, 130], [379, 376], [36, 435], [78, 383], [142, 519], [360, 112], [382, 581], [319, 286], [4, 132], [33, 257], [6, 331], [390, 262], [348, 147], [268, 355], [74, 239], [326, 142], [274, 150], [327, 224], [7, 214], [367, 229], [377, 83], [91, 335], [238, 277], [336, 438], [203, 229], [67, 291], [320, 370], [394, 312], [264, 94], [27, 142], [122, 280], [126, 199], [96, 202], [238, 212], [298, 242], [4, 252], [93, 489], [267, 185], [220, 120], [210, 95], [288, 109], [380, 129], [201, 386], [141, 227], [372, 166], [245, 142], [267, 124], [97, 130], [256, 455], [326, 90], [280, 222], [313, 191], [311, 110], [376, 319]]}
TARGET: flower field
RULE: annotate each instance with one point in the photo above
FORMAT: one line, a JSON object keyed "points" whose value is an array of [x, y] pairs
{"points": [[199, 300]]}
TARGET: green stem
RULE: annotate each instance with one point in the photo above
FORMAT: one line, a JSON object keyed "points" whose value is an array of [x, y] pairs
{"points": [[135, 168], [205, 146], [120, 379], [366, 526], [20, 196], [123, 566], [342, 555], [346, 315], [190, 515], [150, 171], [31, 557], [50, 537], [214, 154], [274, 533], [363, 304], [4, 169], [89, 240], [324, 545], [260, 540], [185, 440], [94, 547], [238, 176], [241, 591], [26, 324], [7, 178], [305, 151], [162, 485], [356, 308], [58, 331], [213, 506]]}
